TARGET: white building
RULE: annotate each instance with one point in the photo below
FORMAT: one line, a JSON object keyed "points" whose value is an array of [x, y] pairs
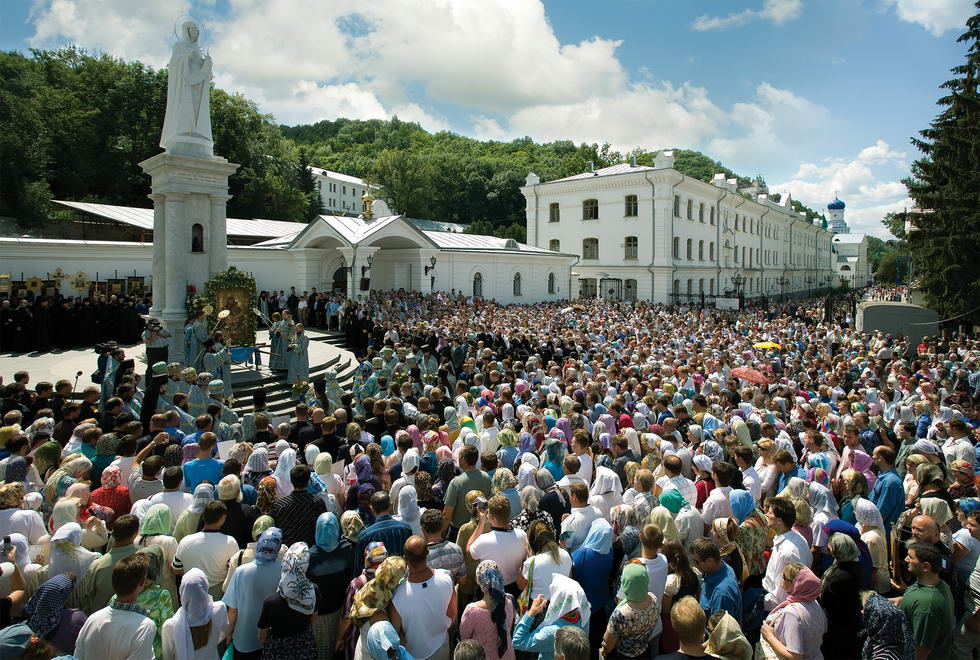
{"points": [[851, 264], [341, 194], [353, 254], [653, 233], [837, 224]]}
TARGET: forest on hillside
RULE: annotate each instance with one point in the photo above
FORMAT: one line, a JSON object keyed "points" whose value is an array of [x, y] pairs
{"points": [[75, 126]]}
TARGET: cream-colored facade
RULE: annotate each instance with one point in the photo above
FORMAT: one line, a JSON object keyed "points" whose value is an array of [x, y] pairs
{"points": [[653, 233]]}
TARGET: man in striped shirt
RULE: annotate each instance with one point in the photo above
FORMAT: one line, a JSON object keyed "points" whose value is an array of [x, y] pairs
{"points": [[296, 513]]}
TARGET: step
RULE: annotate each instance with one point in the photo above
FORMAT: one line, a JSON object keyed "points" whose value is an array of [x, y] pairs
{"points": [[279, 396]]}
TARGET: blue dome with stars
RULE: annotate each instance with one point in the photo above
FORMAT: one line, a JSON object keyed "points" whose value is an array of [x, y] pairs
{"points": [[836, 205]]}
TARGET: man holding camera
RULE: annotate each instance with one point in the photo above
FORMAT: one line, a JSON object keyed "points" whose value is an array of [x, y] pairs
{"points": [[157, 340]]}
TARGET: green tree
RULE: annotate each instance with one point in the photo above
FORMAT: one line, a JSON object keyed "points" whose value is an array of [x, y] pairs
{"points": [[946, 183], [407, 182], [306, 182]]}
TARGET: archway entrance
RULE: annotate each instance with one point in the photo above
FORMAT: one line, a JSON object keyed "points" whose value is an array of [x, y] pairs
{"points": [[340, 280]]}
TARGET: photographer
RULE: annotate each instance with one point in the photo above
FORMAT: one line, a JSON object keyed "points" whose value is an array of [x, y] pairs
{"points": [[156, 337]]}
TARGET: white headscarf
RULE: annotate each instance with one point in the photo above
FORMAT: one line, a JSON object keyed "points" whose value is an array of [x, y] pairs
{"points": [[867, 514], [67, 553], [408, 508], [287, 461], [294, 586], [606, 481], [565, 595], [822, 500], [529, 468], [310, 454], [196, 609]]}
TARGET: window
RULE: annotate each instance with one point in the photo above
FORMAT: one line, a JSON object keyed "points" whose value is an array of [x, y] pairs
{"points": [[345, 190], [701, 286], [701, 212], [743, 254], [689, 289], [700, 250], [736, 254], [677, 206], [690, 245], [632, 247], [736, 222], [712, 215], [751, 225], [690, 209], [517, 284], [554, 214], [711, 251], [590, 248], [590, 209], [554, 245], [631, 206], [588, 288], [551, 282], [197, 237], [711, 287], [478, 286], [677, 248], [630, 290]]}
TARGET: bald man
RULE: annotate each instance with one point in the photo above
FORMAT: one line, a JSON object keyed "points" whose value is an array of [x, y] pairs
{"points": [[425, 604], [925, 530]]}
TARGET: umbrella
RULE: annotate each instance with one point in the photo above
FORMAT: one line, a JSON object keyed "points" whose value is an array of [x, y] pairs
{"points": [[767, 344], [566, 310], [750, 374]]}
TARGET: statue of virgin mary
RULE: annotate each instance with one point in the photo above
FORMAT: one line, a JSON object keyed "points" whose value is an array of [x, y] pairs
{"points": [[187, 123]]}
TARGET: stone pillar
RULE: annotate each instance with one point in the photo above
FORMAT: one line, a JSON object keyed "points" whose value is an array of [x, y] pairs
{"points": [[348, 254], [186, 190], [307, 266], [159, 282]]}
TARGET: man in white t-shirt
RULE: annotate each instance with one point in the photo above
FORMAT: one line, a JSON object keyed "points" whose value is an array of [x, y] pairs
{"points": [[495, 539], [751, 481], [674, 479], [717, 504], [573, 473], [576, 526], [426, 604], [788, 546], [173, 494], [208, 550], [581, 441], [651, 538], [488, 437]]}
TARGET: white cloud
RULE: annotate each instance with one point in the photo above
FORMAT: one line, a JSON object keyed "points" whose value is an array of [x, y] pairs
{"points": [[868, 197], [774, 11], [936, 16]]}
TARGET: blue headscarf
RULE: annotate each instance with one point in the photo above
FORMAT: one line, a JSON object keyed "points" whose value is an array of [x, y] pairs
{"points": [[327, 532], [600, 537], [526, 443], [383, 636], [742, 504], [387, 445], [267, 547], [44, 609]]}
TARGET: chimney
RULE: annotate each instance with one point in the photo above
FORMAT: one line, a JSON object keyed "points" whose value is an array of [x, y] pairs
{"points": [[591, 167], [633, 160], [532, 179]]}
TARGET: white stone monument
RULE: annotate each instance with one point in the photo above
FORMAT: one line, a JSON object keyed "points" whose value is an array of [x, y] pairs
{"points": [[190, 189]]}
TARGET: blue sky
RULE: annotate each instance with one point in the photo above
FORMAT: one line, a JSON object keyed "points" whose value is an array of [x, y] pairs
{"points": [[817, 95]]}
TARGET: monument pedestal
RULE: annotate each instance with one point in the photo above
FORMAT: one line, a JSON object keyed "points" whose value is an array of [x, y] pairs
{"points": [[190, 241]]}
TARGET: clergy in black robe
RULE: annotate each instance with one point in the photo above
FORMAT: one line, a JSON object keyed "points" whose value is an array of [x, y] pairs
{"points": [[87, 326], [43, 326], [129, 321], [6, 326], [63, 317], [23, 328]]}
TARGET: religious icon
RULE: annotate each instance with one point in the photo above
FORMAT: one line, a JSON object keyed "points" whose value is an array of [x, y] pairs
{"points": [[117, 287], [80, 282], [135, 285], [34, 284], [4, 282], [235, 325]]}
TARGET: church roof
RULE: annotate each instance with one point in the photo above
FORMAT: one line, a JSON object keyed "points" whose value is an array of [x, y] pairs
{"points": [[622, 168], [836, 205]]}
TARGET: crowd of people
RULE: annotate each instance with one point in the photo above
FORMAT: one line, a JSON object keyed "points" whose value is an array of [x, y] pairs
{"points": [[616, 480]]}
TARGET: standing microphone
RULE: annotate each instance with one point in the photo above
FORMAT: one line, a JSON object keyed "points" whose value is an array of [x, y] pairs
{"points": [[75, 386]]}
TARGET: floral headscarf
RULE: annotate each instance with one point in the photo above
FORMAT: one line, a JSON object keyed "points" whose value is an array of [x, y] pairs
{"points": [[352, 525], [111, 477], [172, 456], [267, 546], [889, 633], [12, 496], [44, 609], [376, 594], [266, 494], [258, 462], [565, 596], [294, 586], [818, 475]]}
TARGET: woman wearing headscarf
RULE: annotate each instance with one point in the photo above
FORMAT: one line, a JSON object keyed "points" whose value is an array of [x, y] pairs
{"points": [[155, 531], [286, 621], [94, 534], [591, 565], [66, 554], [824, 507], [200, 623], [286, 462], [963, 484], [753, 531], [408, 509], [606, 491], [105, 453], [189, 452], [112, 495], [626, 523], [661, 517], [331, 565], [173, 456], [555, 502], [248, 588], [490, 619], [634, 618], [724, 531], [351, 525], [889, 633], [73, 468], [687, 519], [155, 599], [46, 457], [725, 638], [257, 467], [839, 597], [323, 474], [797, 625], [704, 484], [267, 490], [531, 511], [372, 600], [49, 617], [508, 451], [188, 522], [529, 465], [247, 554], [566, 605], [872, 528], [855, 487], [505, 483]]}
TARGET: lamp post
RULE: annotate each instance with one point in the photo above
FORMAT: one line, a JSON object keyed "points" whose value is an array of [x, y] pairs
{"points": [[782, 282], [365, 269], [349, 270], [429, 269], [737, 281], [809, 283]]}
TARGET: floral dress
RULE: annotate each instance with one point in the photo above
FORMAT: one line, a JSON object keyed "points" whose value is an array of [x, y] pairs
{"points": [[157, 602], [752, 536], [633, 626]]}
